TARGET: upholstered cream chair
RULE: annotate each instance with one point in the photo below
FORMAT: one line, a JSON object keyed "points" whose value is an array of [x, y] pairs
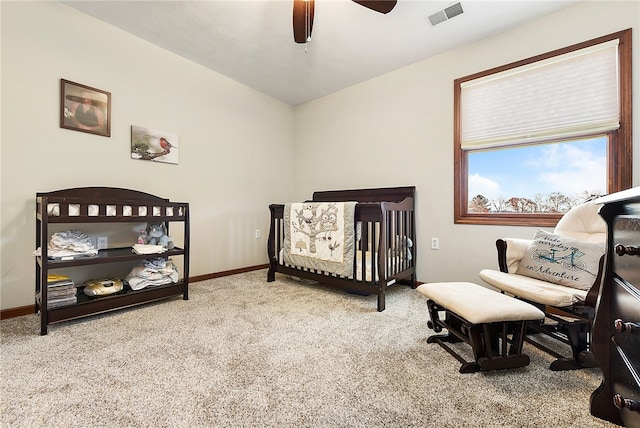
{"points": [[544, 277]]}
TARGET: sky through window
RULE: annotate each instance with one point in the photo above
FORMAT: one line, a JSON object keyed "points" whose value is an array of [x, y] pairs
{"points": [[571, 168]]}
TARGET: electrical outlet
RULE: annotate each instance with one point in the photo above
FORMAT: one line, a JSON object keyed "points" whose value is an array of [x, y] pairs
{"points": [[435, 243], [101, 242], [258, 234]]}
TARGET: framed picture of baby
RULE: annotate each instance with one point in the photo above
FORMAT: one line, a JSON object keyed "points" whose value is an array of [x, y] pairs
{"points": [[85, 109]]}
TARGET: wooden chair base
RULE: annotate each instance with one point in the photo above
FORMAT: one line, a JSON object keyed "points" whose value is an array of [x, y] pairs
{"points": [[570, 326], [495, 346]]}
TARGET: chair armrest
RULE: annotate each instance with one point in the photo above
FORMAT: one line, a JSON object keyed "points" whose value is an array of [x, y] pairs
{"points": [[594, 292], [510, 252]]}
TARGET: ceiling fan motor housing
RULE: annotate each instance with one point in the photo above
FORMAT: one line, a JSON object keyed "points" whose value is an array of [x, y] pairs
{"points": [[303, 15]]}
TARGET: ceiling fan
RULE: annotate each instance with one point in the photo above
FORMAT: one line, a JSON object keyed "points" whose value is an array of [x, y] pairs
{"points": [[303, 15]]}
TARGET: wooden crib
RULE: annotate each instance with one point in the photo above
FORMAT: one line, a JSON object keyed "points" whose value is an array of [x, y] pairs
{"points": [[385, 248]]}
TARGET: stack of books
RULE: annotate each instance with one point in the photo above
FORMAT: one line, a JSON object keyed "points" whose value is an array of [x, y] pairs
{"points": [[61, 291]]}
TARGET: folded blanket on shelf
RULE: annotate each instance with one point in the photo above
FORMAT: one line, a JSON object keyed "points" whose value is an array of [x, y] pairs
{"points": [[148, 249], [69, 245], [152, 273]]}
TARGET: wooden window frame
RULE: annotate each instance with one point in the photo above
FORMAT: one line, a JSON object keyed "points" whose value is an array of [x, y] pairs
{"points": [[619, 145]]}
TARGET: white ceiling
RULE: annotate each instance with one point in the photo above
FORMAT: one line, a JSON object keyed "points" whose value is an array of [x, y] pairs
{"points": [[251, 41]]}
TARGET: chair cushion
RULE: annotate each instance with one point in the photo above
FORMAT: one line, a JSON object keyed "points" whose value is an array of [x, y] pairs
{"points": [[532, 289], [583, 222], [478, 304], [561, 260]]}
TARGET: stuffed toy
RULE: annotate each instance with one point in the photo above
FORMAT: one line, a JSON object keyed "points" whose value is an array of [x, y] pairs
{"points": [[157, 235]]}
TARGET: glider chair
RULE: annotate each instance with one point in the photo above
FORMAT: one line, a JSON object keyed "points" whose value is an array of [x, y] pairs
{"points": [[559, 273]]}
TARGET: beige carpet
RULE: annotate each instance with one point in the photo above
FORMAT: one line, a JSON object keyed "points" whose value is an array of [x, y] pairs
{"points": [[244, 352]]}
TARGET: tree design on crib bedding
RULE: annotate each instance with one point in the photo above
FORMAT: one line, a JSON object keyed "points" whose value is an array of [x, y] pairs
{"points": [[318, 226]]}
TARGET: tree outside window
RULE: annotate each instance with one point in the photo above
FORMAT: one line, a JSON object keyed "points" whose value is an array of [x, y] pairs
{"points": [[542, 178]]}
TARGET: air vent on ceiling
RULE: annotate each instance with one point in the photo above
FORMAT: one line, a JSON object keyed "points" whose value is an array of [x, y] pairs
{"points": [[445, 14]]}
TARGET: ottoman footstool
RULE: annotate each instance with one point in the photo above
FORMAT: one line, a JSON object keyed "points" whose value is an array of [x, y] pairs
{"points": [[493, 324]]}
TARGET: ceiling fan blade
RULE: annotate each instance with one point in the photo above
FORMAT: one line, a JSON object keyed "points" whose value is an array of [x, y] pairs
{"points": [[382, 6], [302, 20]]}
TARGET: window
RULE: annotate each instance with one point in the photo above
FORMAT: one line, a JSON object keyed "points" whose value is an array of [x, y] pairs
{"points": [[534, 138]]}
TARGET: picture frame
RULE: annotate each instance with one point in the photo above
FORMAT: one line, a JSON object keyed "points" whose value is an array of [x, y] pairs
{"points": [[154, 145], [85, 109]]}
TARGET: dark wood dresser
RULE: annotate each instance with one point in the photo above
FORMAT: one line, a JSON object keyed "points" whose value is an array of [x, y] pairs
{"points": [[616, 328]]}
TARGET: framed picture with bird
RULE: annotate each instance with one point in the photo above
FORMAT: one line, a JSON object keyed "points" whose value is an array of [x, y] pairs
{"points": [[154, 145], [85, 109]]}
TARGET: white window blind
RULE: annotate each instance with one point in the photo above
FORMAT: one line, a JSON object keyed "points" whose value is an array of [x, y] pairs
{"points": [[564, 96]]}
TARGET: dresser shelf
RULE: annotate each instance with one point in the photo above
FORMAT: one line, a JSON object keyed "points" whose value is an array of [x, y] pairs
{"points": [[110, 255]]}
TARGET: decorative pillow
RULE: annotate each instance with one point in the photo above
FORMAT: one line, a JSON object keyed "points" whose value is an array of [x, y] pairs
{"points": [[561, 260]]}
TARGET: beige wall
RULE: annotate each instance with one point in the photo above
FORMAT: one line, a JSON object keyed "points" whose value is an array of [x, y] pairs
{"points": [[398, 130], [393, 130], [229, 135]]}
